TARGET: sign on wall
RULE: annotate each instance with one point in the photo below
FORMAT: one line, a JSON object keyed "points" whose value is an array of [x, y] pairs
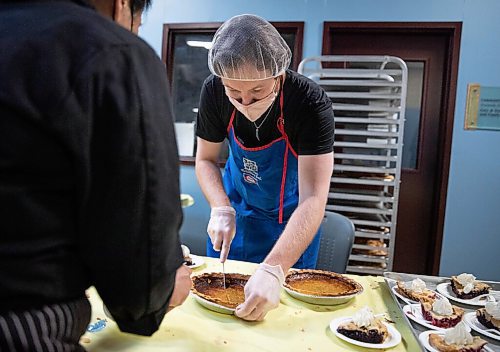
{"points": [[483, 107]]}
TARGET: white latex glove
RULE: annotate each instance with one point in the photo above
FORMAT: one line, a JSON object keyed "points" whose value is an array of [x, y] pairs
{"points": [[262, 292], [221, 229]]}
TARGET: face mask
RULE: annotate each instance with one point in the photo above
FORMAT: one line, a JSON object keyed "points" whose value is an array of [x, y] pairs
{"points": [[256, 109]]}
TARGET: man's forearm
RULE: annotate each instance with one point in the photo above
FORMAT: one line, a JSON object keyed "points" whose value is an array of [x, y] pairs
{"points": [[210, 180], [298, 233]]}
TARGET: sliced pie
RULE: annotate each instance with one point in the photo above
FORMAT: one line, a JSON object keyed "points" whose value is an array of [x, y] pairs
{"points": [[188, 261], [441, 320], [416, 295], [438, 342], [321, 283], [374, 333], [186, 253], [210, 286], [489, 315], [457, 339], [479, 288], [364, 327]]}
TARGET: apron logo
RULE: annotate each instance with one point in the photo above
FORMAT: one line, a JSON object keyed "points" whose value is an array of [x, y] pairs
{"points": [[250, 171]]}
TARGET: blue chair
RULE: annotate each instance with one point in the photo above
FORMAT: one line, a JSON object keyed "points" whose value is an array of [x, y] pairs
{"points": [[193, 232], [336, 243]]}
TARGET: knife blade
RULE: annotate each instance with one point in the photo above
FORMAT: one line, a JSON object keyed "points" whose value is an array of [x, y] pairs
{"points": [[223, 275]]}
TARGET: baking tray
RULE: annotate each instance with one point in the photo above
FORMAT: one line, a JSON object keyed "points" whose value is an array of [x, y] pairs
{"points": [[431, 282]]}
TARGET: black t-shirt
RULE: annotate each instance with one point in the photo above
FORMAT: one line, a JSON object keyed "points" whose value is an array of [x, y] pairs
{"points": [[307, 113], [89, 180]]}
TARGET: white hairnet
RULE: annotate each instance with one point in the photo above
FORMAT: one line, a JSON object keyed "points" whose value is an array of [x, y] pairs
{"points": [[247, 48]]}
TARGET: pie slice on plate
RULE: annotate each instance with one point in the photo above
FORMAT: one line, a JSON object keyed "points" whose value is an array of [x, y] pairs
{"points": [[465, 286]]}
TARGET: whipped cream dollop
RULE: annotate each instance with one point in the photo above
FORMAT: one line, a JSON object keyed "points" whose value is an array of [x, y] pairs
{"points": [[417, 285], [493, 308], [442, 307], [467, 281], [185, 251], [363, 317], [459, 335]]}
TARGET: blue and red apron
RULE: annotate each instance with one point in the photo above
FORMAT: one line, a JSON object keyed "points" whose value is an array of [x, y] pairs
{"points": [[262, 184]]}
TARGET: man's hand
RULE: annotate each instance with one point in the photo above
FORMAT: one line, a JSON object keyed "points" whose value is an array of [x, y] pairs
{"points": [[262, 293], [182, 287], [221, 229]]}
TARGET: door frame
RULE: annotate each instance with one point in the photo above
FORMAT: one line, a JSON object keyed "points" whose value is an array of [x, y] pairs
{"points": [[453, 31]]}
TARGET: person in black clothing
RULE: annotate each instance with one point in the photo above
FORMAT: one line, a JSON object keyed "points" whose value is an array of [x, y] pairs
{"points": [[89, 179], [279, 126]]}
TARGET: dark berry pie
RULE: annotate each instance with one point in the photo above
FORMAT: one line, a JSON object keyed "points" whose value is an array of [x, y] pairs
{"points": [[364, 327], [187, 255], [465, 286], [489, 316]]}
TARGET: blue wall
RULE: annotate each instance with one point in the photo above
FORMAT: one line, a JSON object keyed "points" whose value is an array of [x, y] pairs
{"points": [[472, 225]]}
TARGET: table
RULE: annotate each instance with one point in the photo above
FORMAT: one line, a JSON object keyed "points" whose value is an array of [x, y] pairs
{"points": [[293, 326]]}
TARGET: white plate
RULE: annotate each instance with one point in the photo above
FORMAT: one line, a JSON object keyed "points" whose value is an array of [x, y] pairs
{"points": [[212, 306], [321, 300], [414, 312], [445, 289], [393, 340], [197, 261], [471, 320]]}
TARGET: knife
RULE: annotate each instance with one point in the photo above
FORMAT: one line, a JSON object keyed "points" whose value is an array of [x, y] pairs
{"points": [[223, 276]]}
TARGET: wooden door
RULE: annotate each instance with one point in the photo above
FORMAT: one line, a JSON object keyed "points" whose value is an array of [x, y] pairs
{"points": [[433, 48]]}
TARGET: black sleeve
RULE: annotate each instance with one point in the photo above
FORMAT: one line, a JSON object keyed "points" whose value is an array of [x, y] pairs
{"points": [[130, 209], [315, 132], [210, 122]]}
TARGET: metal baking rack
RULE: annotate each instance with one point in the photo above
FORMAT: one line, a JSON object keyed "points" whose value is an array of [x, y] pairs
{"points": [[368, 95]]}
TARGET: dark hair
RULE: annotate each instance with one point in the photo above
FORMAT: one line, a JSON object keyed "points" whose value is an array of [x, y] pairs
{"points": [[139, 5]]}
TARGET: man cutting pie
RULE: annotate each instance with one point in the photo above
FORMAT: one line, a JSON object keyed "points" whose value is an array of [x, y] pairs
{"points": [[268, 206]]}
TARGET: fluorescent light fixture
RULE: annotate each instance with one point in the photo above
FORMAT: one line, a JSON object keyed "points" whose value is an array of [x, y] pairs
{"points": [[199, 44]]}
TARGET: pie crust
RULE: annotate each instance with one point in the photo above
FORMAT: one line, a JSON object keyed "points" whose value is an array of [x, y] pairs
{"points": [[321, 283], [415, 296], [438, 342], [210, 286]]}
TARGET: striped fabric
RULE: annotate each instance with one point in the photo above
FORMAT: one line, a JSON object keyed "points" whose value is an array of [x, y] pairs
{"points": [[53, 328]]}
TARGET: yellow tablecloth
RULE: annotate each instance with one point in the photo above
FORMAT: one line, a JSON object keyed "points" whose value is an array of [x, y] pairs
{"points": [[293, 326]]}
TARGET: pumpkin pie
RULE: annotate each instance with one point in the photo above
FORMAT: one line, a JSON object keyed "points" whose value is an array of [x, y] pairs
{"points": [[321, 283], [210, 286]]}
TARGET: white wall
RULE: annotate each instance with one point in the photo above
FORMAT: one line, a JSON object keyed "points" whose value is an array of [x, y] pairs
{"points": [[472, 225]]}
